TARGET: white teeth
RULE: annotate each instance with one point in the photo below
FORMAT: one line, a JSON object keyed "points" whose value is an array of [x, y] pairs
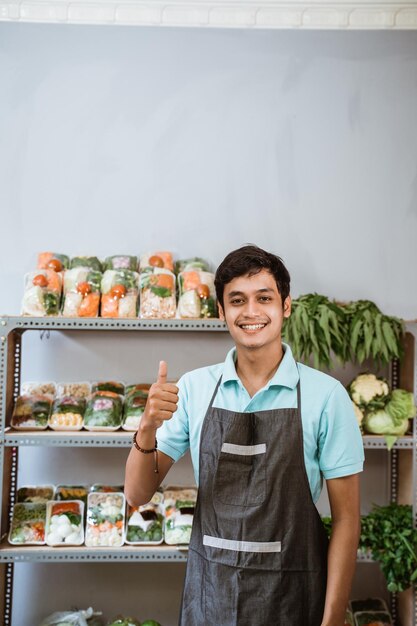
{"points": [[252, 326]]}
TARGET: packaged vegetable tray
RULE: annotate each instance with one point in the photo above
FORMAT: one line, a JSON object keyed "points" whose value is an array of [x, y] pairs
{"points": [[109, 385], [105, 520], [104, 411], [120, 291], [197, 295], [42, 293], [81, 292], [372, 618], [157, 294], [129, 389], [145, 524], [194, 263], [36, 388], [35, 494], [75, 390], [133, 409], [53, 261], [121, 262], [31, 412], [156, 259], [65, 523], [67, 413], [28, 524], [71, 492], [91, 262], [99, 488], [349, 619], [179, 511]]}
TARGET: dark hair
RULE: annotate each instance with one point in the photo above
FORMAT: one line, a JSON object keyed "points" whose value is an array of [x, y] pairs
{"points": [[250, 260]]}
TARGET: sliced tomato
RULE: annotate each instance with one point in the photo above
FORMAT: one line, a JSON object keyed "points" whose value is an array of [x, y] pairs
{"points": [[156, 261], [84, 288], [118, 291], [203, 291], [40, 281], [55, 264]]}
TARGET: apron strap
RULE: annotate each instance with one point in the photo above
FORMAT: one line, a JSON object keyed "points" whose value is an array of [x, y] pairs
{"points": [[215, 392], [299, 393]]}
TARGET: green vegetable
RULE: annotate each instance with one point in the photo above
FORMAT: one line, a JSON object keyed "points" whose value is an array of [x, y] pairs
{"points": [[136, 534], [162, 292], [208, 308], [86, 261], [94, 280], [150, 622], [401, 405], [51, 301], [369, 392], [103, 410], [124, 621], [194, 263], [381, 423]]}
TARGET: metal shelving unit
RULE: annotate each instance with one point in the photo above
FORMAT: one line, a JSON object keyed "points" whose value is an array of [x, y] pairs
{"points": [[11, 331]]}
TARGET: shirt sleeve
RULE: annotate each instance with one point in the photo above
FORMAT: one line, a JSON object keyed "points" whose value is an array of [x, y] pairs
{"points": [[340, 440], [173, 435]]}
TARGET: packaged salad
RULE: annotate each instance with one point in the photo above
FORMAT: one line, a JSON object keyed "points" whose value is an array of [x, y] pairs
{"points": [[120, 291], [197, 295], [104, 411], [349, 619], [75, 390], [91, 262], [67, 413], [133, 409], [99, 488], [36, 495], [43, 389], [53, 261], [105, 519], [145, 524], [157, 294], [129, 389], [124, 621], [372, 618], [109, 385], [156, 259], [71, 492], [31, 412], [28, 524], [81, 292], [195, 263], [42, 295], [65, 523], [179, 511], [74, 618], [121, 262]]}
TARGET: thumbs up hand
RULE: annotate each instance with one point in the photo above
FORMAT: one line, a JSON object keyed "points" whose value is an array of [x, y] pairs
{"points": [[162, 401]]}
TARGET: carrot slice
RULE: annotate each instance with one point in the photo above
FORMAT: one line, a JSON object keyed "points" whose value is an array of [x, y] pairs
{"points": [[191, 280], [89, 305], [65, 507], [167, 259], [43, 260], [109, 306], [165, 280], [54, 281]]}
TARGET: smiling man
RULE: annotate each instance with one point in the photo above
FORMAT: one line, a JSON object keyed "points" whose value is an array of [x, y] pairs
{"points": [[264, 431]]}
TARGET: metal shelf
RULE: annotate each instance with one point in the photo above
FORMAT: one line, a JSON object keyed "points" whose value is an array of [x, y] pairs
{"points": [[21, 324], [42, 554], [378, 441]]}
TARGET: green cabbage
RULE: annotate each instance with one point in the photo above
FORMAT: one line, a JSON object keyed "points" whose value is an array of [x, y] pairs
{"points": [[381, 423], [401, 405]]}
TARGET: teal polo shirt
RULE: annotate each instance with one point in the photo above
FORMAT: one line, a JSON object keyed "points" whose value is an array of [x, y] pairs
{"points": [[331, 437]]}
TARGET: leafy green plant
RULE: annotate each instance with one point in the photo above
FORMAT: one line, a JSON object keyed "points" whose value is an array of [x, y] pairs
{"points": [[388, 534]]}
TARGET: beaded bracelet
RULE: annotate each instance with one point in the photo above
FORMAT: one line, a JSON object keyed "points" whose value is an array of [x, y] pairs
{"points": [[144, 451]]}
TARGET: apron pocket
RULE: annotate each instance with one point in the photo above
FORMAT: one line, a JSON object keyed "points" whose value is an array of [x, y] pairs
{"points": [[241, 475]]}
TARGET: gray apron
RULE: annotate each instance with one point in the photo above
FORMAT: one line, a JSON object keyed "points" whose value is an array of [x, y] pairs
{"points": [[258, 550]]}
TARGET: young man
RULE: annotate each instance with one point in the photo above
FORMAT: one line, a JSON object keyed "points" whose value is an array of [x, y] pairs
{"points": [[263, 432]]}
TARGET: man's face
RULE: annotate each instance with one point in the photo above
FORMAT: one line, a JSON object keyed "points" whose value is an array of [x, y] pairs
{"points": [[253, 310]]}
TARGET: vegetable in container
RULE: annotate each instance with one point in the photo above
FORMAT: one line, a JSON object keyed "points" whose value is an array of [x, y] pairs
{"points": [[105, 520], [64, 523], [157, 294], [81, 292], [31, 412], [104, 411], [42, 294], [179, 511], [197, 295], [28, 524], [53, 261], [121, 262], [67, 413], [120, 290]]}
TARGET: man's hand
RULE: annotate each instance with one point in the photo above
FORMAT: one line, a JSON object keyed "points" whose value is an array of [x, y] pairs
{"points": [[162, 401]]}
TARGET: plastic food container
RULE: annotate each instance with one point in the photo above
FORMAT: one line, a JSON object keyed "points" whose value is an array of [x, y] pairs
{"points": [[35, 495], [81, 292], [92, 262], [31, 412], [99, 488], [75, 390], [65, 523], [156, 259], [104, 411], [42, 293], [129, 389], [133, 409], [372, 618], [179, 511], [67, 413], [121, 262], [28, 524], [53, 261], [157, 294], [145, 524], [120, 291], [110, 385], [349, 619], [194, 263], [197, 295], [37, 388], [71, 492], [105, 520]]}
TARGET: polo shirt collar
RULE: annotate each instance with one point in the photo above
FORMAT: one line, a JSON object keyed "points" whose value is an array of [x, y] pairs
{"points": [[287, 374]]}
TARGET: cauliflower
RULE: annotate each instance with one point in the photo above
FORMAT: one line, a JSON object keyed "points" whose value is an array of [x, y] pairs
{"points": [[367, 391], [359, 414]]}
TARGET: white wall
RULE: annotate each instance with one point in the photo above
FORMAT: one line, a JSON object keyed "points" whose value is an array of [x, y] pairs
{"points": [[120, 139]]}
